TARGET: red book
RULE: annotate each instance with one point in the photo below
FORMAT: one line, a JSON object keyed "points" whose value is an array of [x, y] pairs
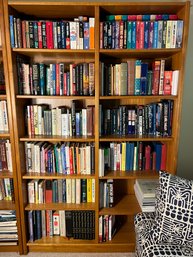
{"points": [[147, 157], [23, 27], [163, 157], [48, 195], [138, 27], [141, 35], [167, 82], [132, 17], [71, 160], [65, 84], [49, 34], [139, 17], [39, 34], [156, 77], [154, 161]]}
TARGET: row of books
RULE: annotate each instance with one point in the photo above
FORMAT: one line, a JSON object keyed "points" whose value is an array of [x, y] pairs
{"points": [[124, 34], [141, 17], [63, 158], [5, 155], [60, 121], [132, 156], [70, 224], [138, 77], [4, 126], [145, 192], [52, 34], [108, 226], [61, 191], [154, 119], [106, 190], [8, 227], [55, 78], [6, 189]]}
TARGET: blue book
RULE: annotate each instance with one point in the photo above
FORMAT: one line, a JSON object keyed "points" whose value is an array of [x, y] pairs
{"points": [[42, 79], [117, 34], [63, 34], [30, 226], [86, 35], [133, 35], [53, 79], [131, 155], [146, 34], [56, 158], [158, 150], [165, 17], [144, 71], [63, 159], [137, 85], [113, 34], [129, 34], [145, 17], [155, 34], [77, 124], [38, 224], [127, 156], [11, 31]]}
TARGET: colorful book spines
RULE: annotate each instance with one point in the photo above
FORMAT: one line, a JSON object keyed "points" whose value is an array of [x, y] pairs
{"points": [[133, 156], [77, 34], [141, 32]]}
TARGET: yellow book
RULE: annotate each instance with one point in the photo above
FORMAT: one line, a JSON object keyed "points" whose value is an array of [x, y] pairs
{"points": [[89, 190], [123, 157]]}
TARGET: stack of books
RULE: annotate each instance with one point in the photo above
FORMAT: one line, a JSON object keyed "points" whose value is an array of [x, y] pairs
{"points": [[8, 227], [145, 193]]}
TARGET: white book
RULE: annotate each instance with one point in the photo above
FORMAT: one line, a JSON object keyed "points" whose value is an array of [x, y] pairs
{"points": [[31, 191], [59, 121], [54, 122], [73, 190], [68, 190], [101, 162], [146, 187], [56, 223], [1, 117], [173, 34], [161, 80], [168, 34], [78, 191], [62, 223], [175, 79], [67, 159], [84, 122], [88, 160], [8, 155], [5, 117], [73, 35]]}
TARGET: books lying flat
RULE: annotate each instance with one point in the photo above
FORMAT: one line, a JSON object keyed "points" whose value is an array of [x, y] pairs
{"points": [[145, 193]]}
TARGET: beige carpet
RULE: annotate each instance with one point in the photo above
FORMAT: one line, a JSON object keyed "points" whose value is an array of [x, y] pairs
{"points": [[70, 254]]}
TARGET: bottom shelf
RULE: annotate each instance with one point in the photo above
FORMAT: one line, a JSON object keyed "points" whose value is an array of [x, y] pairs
{"points": [[123, 241]]}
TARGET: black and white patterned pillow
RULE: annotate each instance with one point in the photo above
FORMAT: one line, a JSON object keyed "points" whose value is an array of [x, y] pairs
{"points": [[174, 212]]}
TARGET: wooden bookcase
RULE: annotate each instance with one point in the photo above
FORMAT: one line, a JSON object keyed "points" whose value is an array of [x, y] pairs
{"points": [[124, 240], [5, 204]]}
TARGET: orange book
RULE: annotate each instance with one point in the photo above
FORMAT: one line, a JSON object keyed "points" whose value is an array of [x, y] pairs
{"points": [[167, 82], [91, 32]]}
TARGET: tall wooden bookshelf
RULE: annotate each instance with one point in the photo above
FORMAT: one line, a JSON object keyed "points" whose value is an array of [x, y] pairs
{"points": [[9, 135], [127, 206]]}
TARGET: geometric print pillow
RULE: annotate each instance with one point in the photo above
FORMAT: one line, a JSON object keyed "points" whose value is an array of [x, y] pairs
{"points": [[174, 210]]}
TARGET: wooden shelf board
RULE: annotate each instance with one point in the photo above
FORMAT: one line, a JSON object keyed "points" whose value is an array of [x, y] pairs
{"points": [[153, 97], [55, 97], [3, 97], [130, 174], [54, 52], [35, 175], [4, 134], [9, 248], [133, 138], [61, 206], [58, 138], [127, 205], [6, 174], [143, 53], [7, 205]]}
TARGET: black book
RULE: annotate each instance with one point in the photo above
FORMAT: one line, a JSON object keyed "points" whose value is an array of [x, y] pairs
{"points": [[69, 223]]}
